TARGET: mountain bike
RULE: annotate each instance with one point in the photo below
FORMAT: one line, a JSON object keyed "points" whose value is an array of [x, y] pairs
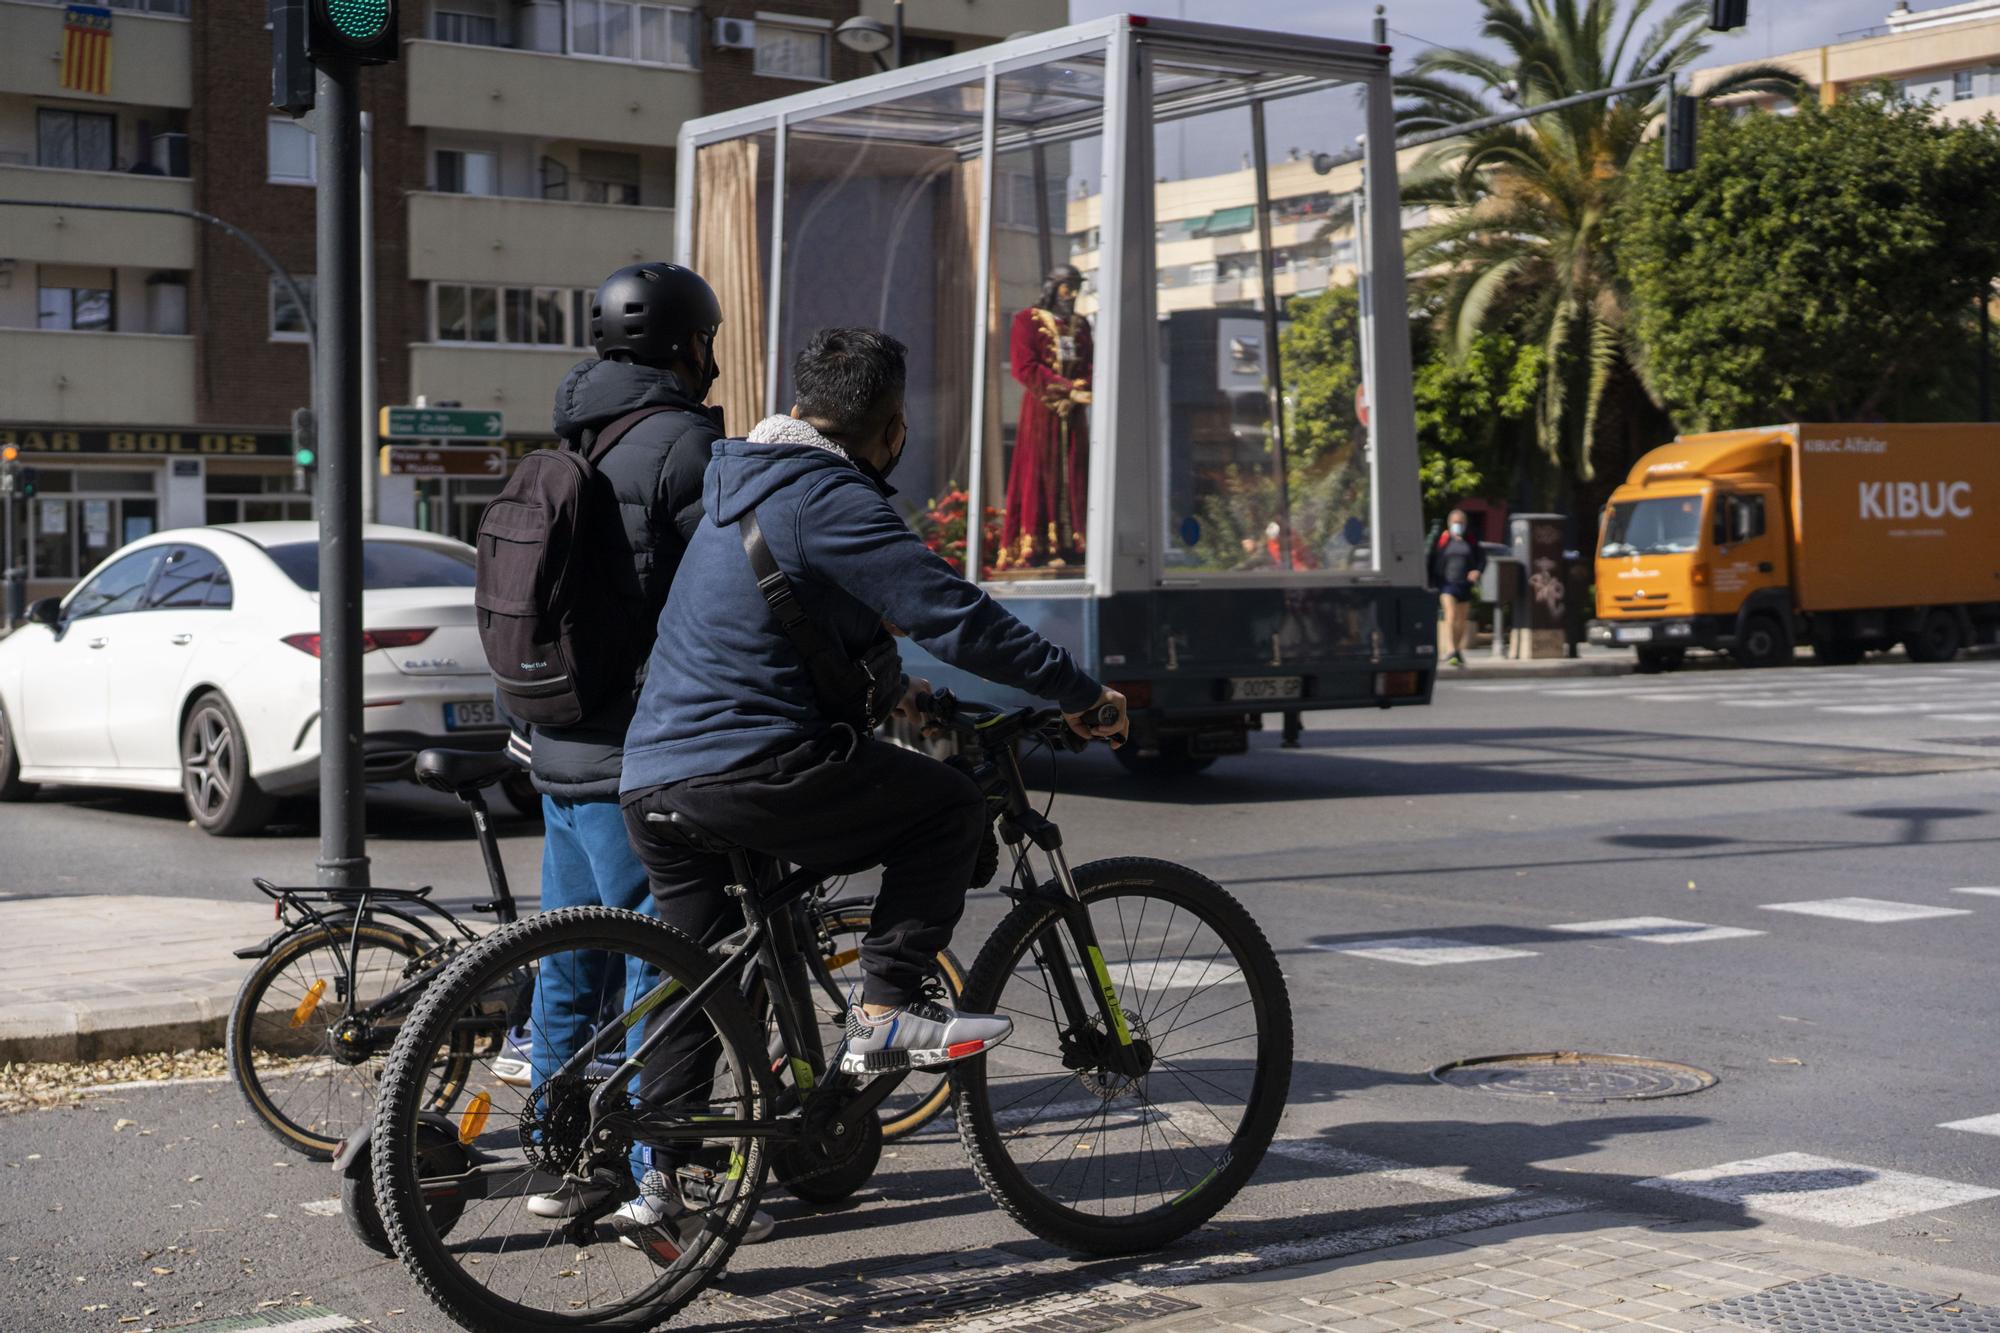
{"points": [[1146, 1075]]}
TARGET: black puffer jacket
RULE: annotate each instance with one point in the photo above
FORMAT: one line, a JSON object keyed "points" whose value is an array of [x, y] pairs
{"points": [[656, 472]]}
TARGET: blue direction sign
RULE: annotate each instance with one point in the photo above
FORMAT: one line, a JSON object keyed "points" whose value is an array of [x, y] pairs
{"points": [[440, 423]]}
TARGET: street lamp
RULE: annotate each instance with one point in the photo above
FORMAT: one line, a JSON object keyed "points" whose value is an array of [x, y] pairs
{"points": [[871, 37]]}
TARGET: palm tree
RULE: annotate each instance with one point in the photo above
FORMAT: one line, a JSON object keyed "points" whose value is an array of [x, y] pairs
{"points": [[1519, 243]]}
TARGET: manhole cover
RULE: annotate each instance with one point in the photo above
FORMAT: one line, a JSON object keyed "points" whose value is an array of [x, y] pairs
{"points": [[1574, 1076]]}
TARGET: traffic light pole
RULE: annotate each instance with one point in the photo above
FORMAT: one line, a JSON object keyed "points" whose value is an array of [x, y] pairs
{"points": [[343, 855]]}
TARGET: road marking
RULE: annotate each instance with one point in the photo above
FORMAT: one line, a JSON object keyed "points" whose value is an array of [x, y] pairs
{"points": [[1882, 710], [1874, 911], [322, 1207], [1426, 951], [1961, 717], [1981, 1124], [1185, 975], [1820, 1189], [1658, 930], [1988, 893], [1342, 1161]]}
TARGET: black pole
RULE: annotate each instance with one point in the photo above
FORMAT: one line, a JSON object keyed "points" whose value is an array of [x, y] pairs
{"points": [[343, 854], [899, 34], [1986, 351]]}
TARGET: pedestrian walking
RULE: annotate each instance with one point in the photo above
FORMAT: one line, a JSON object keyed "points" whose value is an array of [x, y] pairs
{"points": [[1455, 565]]}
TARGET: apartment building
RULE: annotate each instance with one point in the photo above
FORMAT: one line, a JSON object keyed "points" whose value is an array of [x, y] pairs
{"points": [[1947, 54], [521, 149]]}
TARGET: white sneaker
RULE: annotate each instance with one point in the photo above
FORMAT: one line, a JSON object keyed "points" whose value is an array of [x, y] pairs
{"points": [[567, 1199], [660, 1224], [514, 1066], [920, 1034]]}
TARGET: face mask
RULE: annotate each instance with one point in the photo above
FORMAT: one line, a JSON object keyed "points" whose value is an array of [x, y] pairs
{"points": [[880, 476], [1458, 529]]}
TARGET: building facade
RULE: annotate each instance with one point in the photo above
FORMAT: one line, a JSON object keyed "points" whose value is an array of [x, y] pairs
{"points": [[521, 150], [1946, 54]]}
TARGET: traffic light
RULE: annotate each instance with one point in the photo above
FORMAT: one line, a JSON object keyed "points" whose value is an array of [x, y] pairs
{"points": [[1681, 109], [26, 483], [305, 448], [1724, 15], [291, 71], [8, 453], [363, 31]]}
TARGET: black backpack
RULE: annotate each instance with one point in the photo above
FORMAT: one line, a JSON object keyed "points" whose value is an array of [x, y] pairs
{"points": [[557, 637]]}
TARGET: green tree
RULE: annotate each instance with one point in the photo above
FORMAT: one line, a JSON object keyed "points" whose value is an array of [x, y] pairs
{"points": [[1475, 416], [1819, 266], [1519, 242]]}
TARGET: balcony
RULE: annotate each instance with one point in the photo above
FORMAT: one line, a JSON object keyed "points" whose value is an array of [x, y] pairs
{"points": [[519, 382], [73, 236], [494, 90], [77, 378], [150, 62], [523, 242], [979, 18]]}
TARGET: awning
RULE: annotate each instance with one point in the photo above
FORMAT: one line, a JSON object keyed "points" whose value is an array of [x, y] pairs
{"points": [[1227, 221]]}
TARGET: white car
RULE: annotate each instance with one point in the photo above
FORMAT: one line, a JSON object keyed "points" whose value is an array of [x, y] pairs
{"points": [[189, 661]]}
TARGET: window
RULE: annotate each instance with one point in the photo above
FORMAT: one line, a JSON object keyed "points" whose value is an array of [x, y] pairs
{"points": [[191, 578], [791, 53], [514, 316], [1738, 518], [384, 564], [461, 172], [608, 178], [1662, 526], [78, 140], [76, 308], [918, 49], [619, 30], [1961, 86], [289, 148], [288, 322], [119, 589], [466, 29]]}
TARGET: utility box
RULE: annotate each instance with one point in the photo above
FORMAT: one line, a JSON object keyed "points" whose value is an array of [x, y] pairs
{"points": [[1541, 612]]}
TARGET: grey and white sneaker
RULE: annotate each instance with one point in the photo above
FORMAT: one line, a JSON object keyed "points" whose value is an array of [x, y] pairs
{"points": [[660, 1223], [918, 1035]]}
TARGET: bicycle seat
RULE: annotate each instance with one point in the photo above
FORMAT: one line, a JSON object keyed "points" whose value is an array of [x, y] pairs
{"points": [[677, 827], [461, 771]]}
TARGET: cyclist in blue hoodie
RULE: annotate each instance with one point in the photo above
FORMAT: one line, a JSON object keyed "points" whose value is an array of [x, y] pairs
{"points": [[733, 732]]}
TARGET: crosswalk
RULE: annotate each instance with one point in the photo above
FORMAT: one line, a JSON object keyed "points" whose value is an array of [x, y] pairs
{"points": [[1966, 692]]}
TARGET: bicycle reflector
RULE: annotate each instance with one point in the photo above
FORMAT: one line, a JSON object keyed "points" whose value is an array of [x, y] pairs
{"points": [[364, 31], [472, 1123], [310, 1003]]}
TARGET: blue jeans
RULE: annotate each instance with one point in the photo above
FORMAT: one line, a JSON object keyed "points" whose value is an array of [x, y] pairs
{"points": [[587, 861]]}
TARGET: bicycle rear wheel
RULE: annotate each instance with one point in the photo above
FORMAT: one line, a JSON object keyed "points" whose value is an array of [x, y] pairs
{"points": [[1108, 1163], [923, 1094], [496, 1258]]}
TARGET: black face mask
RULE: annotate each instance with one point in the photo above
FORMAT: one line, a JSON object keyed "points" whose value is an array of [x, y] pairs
{"points": [[880, 476]]}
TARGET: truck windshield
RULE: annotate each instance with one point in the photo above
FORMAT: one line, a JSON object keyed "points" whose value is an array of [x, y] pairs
{"points": [[1666, 526]]}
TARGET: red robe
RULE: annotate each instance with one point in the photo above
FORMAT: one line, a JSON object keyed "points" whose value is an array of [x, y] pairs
{"points": [[1046, 498]]}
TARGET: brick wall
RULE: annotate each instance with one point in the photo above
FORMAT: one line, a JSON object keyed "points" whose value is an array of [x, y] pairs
{"points": [[242, 377]]}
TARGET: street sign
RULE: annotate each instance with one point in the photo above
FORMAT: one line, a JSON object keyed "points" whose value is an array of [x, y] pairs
{"points": [[404, 460], [440, 423]]}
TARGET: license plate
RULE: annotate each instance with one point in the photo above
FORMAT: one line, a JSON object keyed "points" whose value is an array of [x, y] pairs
{"points": [[477, 713], [1633, 634], [1266, 687]]}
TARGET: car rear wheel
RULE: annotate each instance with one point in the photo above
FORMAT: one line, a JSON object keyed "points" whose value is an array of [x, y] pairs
{"points": [[222, 798], [11, 786], [1762, 642]]}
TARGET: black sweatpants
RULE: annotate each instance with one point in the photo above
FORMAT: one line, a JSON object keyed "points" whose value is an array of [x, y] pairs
{"points": [[840, 805]]}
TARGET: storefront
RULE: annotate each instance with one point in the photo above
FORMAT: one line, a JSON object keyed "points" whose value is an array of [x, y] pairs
{"points": [[99, 487]]}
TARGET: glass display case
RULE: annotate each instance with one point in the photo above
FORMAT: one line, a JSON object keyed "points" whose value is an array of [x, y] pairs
{"points": [[1137, 263]]}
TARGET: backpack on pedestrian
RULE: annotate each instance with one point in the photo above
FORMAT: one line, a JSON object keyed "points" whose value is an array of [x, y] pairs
{"points": [[556, 634]]}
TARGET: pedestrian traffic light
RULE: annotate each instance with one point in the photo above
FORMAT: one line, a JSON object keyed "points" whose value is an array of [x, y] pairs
{"points": [[1681, 109], [305, 448], [362, 31], [1724, 15], [26, 483]]}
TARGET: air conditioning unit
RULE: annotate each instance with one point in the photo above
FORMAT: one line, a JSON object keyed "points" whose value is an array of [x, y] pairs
{"points": [[736, 34]]}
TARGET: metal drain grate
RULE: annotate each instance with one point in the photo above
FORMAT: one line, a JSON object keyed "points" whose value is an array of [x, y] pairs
{"points": [[1574, 1076], [1836, 1304]]}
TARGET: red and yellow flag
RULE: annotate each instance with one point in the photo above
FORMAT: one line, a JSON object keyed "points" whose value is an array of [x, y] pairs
{"points": [[86, 58]]}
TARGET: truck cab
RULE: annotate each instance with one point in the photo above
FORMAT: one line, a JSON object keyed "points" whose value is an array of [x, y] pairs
{"points": [[1693, 553]]}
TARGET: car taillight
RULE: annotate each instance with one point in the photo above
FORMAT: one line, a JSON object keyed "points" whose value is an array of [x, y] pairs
{"points": [[1397, 684], [1138, 693], [371, 639]]}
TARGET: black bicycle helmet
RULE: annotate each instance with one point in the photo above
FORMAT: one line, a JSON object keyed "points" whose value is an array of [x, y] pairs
{"points": [[651, 312]]}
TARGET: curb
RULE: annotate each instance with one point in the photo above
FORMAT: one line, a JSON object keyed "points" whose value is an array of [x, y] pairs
{"points": [[76, 1032]]}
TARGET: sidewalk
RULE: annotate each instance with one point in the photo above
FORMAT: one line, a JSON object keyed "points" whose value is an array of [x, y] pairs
{"points": [[91, 978], [1596, 1271]]}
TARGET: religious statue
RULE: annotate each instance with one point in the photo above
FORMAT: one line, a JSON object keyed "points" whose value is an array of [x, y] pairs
{"points": [[1050, 354]]}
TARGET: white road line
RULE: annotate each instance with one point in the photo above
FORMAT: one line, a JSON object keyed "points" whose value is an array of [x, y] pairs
{"points": [[1658, 930], [1426, 951], [1985, 893], [1979, 1124], [1874, 911], [1341, 1161], [1184, 975], [1821, 1189], [1964, 717], [1884, 710]]}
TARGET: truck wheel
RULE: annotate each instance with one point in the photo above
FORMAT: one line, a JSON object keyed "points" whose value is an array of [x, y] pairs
{"points": [[1936, 640], [1838, 652], [1762, 642], [1175, 760], [1655, 660]]}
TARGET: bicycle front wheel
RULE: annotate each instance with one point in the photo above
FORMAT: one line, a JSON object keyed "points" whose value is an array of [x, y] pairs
{"points": [[1109, 1162]]}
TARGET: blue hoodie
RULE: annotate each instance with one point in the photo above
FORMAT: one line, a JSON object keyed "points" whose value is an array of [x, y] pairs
{"points": [[725, 687]]}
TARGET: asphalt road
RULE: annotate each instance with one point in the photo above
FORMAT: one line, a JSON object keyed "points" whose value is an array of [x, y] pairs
{"points": [[1605, 865]]}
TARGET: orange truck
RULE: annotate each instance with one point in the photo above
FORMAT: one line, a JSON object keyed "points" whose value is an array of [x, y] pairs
{"points": [[1848, 537]]}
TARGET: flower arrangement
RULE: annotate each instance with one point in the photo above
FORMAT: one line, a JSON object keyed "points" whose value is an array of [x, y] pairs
{"points": [[942, 525]]}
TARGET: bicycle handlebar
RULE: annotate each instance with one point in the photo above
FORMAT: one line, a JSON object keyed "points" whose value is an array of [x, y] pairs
{"points": [[947, 711]]}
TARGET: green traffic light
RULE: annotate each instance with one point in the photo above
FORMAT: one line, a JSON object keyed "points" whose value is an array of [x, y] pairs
{"points": [[358, 20], [304, 458]]}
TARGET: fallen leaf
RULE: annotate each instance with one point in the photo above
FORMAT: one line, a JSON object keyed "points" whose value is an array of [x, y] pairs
{"points": [[122, 1125], [193, 1179], [161, 1272], [265, 1305], [1784, 1060]]}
